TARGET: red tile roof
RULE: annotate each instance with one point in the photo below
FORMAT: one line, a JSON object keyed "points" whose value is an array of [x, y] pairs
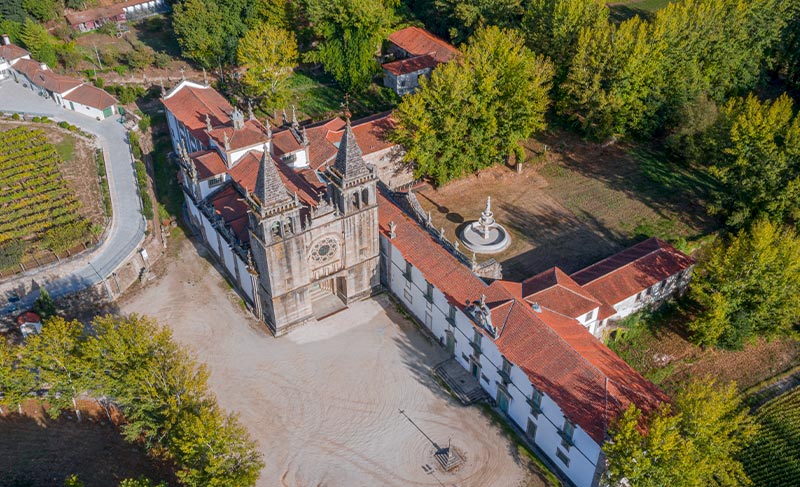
{"points": [[252, 134], [208, 163], [411, 65], [91, 96], [28, 317], [633, 270], [591, 385], [11, 52], [555, 290], [418, 42], [372, 133], [190, 105], [28, 67], [246, 170], [229, 205]]}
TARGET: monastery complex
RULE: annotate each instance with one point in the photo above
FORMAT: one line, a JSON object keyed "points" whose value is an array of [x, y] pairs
{"points": [[308, 218]]}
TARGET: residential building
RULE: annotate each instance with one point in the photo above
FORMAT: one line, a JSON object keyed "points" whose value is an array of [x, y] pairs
{"points": [[9, 55], [414, 53], [94, 18]]}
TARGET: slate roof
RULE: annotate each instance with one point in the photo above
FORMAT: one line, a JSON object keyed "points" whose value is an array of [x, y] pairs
{"points": [[633, 270], [418, 42], [591, 385], [349, 163], [411, 65]]}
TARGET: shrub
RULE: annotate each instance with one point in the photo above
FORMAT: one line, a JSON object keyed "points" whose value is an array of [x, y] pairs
{"points": [[15, 116], [144, 123]]}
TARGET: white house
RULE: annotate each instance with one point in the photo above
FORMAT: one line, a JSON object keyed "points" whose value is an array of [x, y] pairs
{"points": [[9, 55], [553, 379], [415, 52]]}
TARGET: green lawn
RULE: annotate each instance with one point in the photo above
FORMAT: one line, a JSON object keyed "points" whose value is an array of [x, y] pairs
{"points": [[320, 97]]}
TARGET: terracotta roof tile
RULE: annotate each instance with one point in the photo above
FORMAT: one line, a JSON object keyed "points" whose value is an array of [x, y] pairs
{"points": [[11, 52], [418, 42], [557, 291], [28, 67], [245, 173], [252, 134], [589, 382], [411, 65], [633, 270], [229, 204], [91, 96], [190, 105], [208, 163]]}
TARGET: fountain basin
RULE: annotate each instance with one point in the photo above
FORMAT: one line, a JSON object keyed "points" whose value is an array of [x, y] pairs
{"points": [[495, 240]]}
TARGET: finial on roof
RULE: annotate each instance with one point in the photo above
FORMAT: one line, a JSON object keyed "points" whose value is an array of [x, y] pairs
{"points": [[225, 140], [455, 245], [285, 118], [429, 218], [269, 128], [209, 128], [305, 137], [237, 117], [205, 78], [392, 228], [441, 232], [163, 90], [183, 73], [346, 108], [295, 123], [250, 110], [483, 300]]}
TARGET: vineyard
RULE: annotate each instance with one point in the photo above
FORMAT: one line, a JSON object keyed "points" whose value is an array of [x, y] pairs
{"points": [[774, 456], [38, 211]]}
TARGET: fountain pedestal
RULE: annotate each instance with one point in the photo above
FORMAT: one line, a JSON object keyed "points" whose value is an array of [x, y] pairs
{"points": [[485, 236]]}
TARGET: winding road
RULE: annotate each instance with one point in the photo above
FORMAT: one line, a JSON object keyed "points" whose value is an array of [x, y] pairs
{"points": [[127, 229]]}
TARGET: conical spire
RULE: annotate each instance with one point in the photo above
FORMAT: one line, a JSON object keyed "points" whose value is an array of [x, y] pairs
{"points": [[269, 189], [349, 161]]}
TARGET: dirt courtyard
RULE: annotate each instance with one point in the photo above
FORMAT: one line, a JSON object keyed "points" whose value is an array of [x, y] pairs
{"points": [[324, 401]]}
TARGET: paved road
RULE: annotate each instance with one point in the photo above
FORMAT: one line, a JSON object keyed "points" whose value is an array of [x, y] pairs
{"points": [[127, 226]]}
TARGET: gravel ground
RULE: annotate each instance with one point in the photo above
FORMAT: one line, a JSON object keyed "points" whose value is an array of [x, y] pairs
{"points": [[324, 401]]}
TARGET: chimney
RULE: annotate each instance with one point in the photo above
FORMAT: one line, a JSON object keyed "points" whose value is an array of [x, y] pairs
{"points": [[43, 66], [6, 40]]}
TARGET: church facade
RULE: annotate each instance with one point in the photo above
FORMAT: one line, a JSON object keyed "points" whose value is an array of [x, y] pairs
{"points": [[290, 212]]}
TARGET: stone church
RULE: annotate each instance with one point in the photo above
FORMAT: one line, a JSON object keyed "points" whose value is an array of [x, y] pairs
{"points": [[291, 212]]}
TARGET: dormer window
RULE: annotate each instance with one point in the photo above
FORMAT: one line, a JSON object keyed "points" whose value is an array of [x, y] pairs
{"points": [[289, 158]]}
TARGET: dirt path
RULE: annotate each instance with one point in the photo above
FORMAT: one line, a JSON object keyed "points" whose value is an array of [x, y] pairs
{"points": [[324, 401]]}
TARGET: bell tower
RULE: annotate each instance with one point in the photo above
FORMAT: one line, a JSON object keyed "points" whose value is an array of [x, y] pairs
{"points": [[352, 189], [276, 243]]}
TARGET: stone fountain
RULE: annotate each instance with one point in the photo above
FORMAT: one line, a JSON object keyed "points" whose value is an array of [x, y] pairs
{"points": [[485, 236]]}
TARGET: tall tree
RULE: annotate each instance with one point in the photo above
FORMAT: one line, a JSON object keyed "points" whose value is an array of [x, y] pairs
{"points": [[694, 446], [789, 45], [754, 152], [56, 354], [16, 381], [474, 111], [553, 27], [614, 79], [349, 33], [748, 286], [462, 18], [44, 305], [199, 28], [269, 55]]}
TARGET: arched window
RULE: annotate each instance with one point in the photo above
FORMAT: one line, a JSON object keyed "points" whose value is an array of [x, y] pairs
{"points": [[355, 200], [288, 227], [365, 196], [275, 229]]}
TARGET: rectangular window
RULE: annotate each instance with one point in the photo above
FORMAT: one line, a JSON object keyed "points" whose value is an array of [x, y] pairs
{"points": [[535, 402], [464, 356], [429, 292], [562, 456], [216, 180], [506, 366], [477, 337], [485, 379], [408, 296], [451, 315], [407, 273], [530, 431]]}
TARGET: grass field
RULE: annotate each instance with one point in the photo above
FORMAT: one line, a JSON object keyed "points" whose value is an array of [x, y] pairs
{"points": [[319, 96], [773, 458]]}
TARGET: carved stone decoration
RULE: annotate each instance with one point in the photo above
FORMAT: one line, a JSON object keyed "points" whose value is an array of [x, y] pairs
{"points": [[324, 250]]}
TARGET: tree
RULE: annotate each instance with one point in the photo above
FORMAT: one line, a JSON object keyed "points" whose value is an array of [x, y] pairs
{"points": [[198, 26], [754, 152], [213, 450], [695, 446], [462, 18], [141, 482], [613, 80], [42, 10], [44, 305], [552, 28], [474, 111], [269, 55], [16, 382], [349, 33], [789, 45], [56, 354], [748, 287], [38, 41]]}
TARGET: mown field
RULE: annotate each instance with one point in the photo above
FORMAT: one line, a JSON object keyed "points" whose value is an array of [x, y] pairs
{"points": [[774, 456], [38, 209]]}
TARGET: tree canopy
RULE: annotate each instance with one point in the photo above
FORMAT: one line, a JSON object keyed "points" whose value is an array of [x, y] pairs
{"points": [[349, 34], [693, 446], [473, 111], [748, 286], [269, 55]]}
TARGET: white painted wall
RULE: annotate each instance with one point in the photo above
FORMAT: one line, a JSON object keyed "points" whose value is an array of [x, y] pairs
{"points": [[583, 455]]}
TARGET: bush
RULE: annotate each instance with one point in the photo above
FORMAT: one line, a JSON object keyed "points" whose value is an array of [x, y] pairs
{"points": [[64, 125], [121, 69], [99, 82], [144, 123], [15, 116], [162, 60], [36, 119]]}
